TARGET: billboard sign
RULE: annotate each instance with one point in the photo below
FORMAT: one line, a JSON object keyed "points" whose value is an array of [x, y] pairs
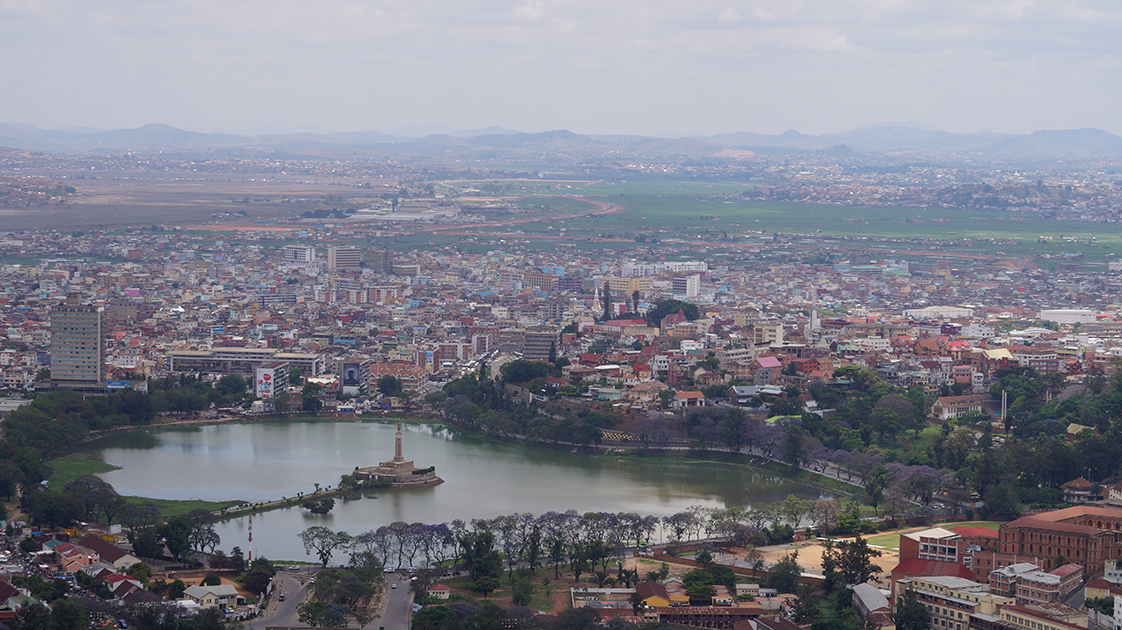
{"points": [[352, 374], [263, 384]]}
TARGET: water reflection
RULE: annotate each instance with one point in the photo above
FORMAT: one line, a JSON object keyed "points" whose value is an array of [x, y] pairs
{"points": [[258, 462]]}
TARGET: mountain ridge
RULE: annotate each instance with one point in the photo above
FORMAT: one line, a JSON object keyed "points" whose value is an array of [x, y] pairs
{"points": [[502, 143]]}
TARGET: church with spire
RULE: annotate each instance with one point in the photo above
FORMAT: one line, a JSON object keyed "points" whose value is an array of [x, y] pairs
{"points": [[399, 472]]}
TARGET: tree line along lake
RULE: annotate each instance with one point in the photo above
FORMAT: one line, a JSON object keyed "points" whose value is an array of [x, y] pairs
{"points": [[266, 461]]}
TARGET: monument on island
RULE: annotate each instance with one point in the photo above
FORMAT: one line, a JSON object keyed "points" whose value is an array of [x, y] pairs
{"points": [[399, 472]]}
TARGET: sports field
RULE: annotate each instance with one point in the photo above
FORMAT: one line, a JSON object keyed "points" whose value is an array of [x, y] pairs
{"points": [[891, 540]]}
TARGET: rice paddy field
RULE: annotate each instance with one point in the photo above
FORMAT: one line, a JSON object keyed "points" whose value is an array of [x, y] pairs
{"points": [[674, 214]]}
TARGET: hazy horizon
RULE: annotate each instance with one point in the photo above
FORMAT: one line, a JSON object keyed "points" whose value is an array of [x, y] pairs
{"points": [[419, 131], [629, 67]]}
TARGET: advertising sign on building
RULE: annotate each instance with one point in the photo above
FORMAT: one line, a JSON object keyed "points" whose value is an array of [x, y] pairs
{"points": [[352, 375], [263, 383]]}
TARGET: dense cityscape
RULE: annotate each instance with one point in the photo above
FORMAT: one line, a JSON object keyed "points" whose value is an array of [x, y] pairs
{"points": [[951, 396]]}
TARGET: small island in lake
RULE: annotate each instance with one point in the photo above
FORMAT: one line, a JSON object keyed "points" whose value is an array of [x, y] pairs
{"points": [[399, 472]]}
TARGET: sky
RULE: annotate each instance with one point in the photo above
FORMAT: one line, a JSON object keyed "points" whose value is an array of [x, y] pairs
{"points": [[648, 67]]}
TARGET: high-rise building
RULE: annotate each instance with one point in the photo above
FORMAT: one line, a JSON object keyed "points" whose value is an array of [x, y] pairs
{"points": [[343, 258], [77, 344], [298, 253], [622, 288], [379, 260], [767, 333], [688, 286], [539, 341]]}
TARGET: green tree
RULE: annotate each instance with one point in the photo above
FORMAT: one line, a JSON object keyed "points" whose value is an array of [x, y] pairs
{"points": [[176, 589], [390, 385], [795, 509], [310, 398], [850, 562], [785, 574], [522, 592], [792, 448], [1002, 502], [910, 613], [323, 542], [323, 614], [51, 509], [666, 307], [232, 385], [485, 585], [146, 543], [140, 571], [805, 607], [66, 614], [176, 534], [435, 618]]}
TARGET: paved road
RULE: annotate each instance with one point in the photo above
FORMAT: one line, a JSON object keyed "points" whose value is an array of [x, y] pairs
{"points": [[286, 614], [400, 603], [280, 613]]}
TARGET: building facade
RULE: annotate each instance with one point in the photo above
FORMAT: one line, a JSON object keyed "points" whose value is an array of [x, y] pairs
{"points": [[77, 345]]}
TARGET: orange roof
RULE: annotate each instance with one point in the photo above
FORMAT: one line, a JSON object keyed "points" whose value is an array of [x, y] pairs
{"points": [[975, 532], [915, 566]]}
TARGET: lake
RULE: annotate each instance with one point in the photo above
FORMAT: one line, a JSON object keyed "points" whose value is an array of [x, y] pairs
{"points": [[264, 461]]}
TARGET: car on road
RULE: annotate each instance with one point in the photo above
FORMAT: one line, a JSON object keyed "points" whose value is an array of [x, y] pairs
{"points": [[393, 585], [280, 598]]}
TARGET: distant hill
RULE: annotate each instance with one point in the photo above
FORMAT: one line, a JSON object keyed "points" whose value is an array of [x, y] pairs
{"points": [[498, 143], [1076, 143]]}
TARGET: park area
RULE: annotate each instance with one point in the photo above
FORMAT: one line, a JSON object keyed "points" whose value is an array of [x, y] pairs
{"points": [[552, 593]]}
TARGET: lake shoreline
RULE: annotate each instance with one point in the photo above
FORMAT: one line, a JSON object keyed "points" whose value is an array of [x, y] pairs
{"points": [[625, 453]]}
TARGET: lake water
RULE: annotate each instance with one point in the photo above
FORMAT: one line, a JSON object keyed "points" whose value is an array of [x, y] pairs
{"points": [[259, 462]]}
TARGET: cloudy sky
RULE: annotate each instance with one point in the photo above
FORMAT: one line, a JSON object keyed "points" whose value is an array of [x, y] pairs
{"points": [[654, 67]]}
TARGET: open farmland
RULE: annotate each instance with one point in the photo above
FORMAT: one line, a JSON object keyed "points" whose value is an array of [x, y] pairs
{"points": [[700, 214]]}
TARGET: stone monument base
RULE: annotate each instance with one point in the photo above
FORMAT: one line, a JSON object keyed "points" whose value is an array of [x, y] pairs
{"points": [[399, 474]]}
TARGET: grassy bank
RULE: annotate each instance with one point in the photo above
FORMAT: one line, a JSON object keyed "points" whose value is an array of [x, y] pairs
{"points": [[737, 460], [70, 467]]}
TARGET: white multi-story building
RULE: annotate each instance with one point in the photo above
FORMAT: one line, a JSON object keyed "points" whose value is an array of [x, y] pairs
{"points": [[298, 253], [688, 285], [655, 268], [343, 258], [77, 344]]}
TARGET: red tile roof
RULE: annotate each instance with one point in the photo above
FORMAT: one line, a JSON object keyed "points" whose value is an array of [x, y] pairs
{"points": [[931, 568], [975, 532], [1066, 570], [107, 550]]}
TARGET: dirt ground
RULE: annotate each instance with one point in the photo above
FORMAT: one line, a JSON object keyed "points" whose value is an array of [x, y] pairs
{"points": [[810, 556], [191, 578]]}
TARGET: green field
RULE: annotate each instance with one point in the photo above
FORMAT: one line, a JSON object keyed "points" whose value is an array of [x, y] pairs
{"points": [[68, 468], [169, 507], [891, 540], [685, 212]]}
